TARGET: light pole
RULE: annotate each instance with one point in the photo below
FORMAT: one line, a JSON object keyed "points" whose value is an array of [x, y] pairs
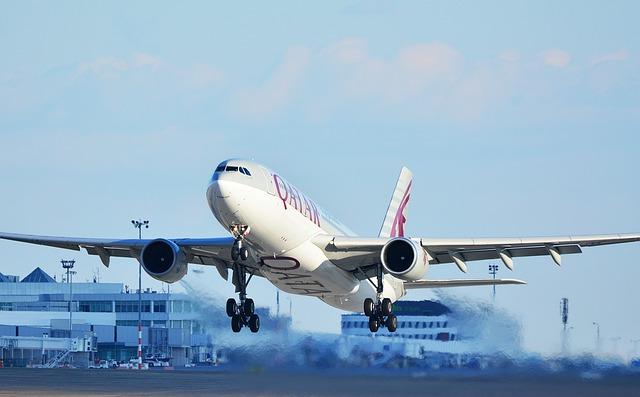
{"points": [[493, 269], [68, 265], [138, 225], [597, 335]]}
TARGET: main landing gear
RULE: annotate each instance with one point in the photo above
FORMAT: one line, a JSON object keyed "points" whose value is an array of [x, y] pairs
{"points": [[242, 313], [380, 312]]}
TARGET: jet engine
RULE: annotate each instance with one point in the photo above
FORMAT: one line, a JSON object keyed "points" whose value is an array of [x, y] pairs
{"points": [[164, 260], [404, 259]]}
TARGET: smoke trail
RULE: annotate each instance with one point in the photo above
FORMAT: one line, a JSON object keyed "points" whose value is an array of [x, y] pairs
{"points": [[489, 330], [492, 340]]}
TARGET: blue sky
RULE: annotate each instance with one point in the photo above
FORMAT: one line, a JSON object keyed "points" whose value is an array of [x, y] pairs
{"points": [[517, 118]]}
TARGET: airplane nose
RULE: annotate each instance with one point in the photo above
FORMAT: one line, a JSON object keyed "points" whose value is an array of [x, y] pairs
{"points": [[220, 189]]}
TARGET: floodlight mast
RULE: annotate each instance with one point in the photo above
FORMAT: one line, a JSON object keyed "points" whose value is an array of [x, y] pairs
{"points": [[493, 269], [139, 224], [68, 265]]}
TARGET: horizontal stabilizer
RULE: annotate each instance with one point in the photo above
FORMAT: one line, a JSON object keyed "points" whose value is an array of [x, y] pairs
{"points": [[458, 283]]}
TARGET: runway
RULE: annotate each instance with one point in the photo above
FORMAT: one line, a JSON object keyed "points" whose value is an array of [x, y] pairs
{"points": [[76, 382]]}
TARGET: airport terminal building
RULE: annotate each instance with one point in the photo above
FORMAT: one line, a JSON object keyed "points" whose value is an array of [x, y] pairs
{"points": [[34, 322]]}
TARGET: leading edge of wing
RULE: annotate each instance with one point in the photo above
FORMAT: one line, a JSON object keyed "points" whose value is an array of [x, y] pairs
{"points": [[75, 243], [585, 241], [348, 243], [460, 283]]}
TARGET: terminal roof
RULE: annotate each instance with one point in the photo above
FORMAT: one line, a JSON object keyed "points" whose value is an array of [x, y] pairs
{"points": [[38, 276]]}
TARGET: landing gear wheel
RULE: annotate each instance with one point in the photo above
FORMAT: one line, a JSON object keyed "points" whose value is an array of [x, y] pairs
{"points": [[235, 253], [373, 324], [254, 323], [369, 307], [392, 323], [249, 307], [244, 253], [386, 307], [232, 307], [236, 323]]}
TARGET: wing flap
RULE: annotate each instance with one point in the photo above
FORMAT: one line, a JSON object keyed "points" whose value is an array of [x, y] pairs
{"points": [[488, 254]]}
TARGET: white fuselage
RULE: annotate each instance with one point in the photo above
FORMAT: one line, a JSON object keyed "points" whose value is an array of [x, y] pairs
{"points": [[282, 222]]}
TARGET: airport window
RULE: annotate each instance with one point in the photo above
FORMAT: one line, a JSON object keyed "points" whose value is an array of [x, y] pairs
{"points": [[444, 325], [159, 323], [453, 337], [402, 324], [196, 327], [187, 307], [431, 324], [132, 306], [232, 168], [95, 306], [362, 324], [6, 307], [126, 306], [159, 306], [438, 324], [132, 323], [177, 306]]}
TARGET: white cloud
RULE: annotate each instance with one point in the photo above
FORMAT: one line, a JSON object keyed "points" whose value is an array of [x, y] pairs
{"points": [[556, 58], [509, 56], [203, 75], [144, 59], [616, 56], [109, 68], [104, 67], [276, 92], [411, 71]]}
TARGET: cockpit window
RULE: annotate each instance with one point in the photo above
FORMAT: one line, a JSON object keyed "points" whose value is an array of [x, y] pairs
{"points": [[220, 168], [232, 168], [246, 171], [242, 171]]}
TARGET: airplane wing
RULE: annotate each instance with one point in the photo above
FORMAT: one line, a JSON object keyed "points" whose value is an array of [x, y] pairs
{"points": [[458, 283], [358, 254], [202, 251]]}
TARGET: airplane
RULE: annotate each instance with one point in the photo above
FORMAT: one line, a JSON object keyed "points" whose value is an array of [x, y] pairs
{"points": [[279, 233]]}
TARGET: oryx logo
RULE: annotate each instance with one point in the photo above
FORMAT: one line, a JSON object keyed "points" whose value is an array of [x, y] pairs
{"points": [[397, 228]]}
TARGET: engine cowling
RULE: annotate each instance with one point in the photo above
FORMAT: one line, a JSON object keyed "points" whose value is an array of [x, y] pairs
{"points": [[164, 260], [404, 259]]}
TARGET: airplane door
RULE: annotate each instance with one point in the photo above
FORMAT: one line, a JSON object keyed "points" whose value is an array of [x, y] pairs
{"points": [[269, 178]]}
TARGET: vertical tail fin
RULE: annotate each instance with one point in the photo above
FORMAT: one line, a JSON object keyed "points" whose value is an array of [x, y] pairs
{"points": [[393, 225]]}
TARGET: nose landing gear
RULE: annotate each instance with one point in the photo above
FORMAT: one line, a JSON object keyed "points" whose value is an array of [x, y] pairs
{"points": [[242, 313], [380, 312]]}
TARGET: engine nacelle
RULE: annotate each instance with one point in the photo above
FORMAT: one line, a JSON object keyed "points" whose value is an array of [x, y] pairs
{"points": [[164, 260], [404, 259]]}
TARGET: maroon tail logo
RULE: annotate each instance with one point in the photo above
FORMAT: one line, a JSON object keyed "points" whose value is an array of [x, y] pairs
{"points": [[397, 229]]}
